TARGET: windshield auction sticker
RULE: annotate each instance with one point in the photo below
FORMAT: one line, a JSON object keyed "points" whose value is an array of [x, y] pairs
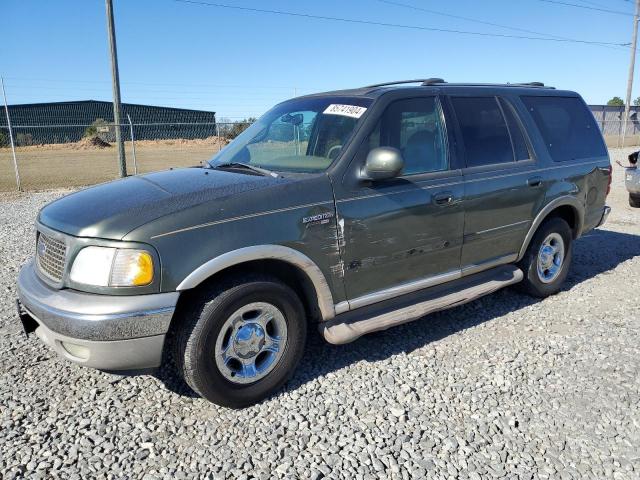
{"points": [[352, 111]]}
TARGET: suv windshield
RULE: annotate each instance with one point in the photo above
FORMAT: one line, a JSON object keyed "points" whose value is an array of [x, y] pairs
{"points": [[303, 135]]}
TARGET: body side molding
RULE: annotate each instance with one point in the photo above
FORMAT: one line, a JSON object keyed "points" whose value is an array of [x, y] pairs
{"points": [[263, 252], [548, 208]]}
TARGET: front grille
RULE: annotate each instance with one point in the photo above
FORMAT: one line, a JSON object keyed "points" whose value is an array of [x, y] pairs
{"points": [[50, 256]]}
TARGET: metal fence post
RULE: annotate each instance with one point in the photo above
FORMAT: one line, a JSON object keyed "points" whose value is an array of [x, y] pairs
{"points": [[133, 146], [13, 146], [218, 136]]}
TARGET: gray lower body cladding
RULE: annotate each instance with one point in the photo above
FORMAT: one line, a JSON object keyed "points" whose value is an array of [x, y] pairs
{"points": [[348, 327], [99, 331]]}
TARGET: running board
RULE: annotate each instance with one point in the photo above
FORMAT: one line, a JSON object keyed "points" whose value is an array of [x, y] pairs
{"points": [[349, 326]]}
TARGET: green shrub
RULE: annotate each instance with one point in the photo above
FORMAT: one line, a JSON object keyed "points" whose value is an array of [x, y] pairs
{"points": [[92, 130]]}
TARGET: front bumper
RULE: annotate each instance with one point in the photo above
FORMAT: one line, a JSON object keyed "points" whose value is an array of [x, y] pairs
{"points": [[100, 331], [632, 180]]}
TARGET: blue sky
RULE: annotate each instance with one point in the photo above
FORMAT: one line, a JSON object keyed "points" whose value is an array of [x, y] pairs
{"points": [[239, 63]]}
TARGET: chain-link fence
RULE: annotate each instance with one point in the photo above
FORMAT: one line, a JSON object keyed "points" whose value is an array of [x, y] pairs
{"points": [[611, 121], [54, 156]]}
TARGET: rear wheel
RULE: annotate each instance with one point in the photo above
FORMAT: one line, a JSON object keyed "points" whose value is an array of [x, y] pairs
{"points": [[240, 342], [634, 201], [546, 262]]}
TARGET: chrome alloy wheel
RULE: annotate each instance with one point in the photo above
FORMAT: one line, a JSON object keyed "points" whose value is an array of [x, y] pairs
{"points": [[550, 258], [251, 342]]}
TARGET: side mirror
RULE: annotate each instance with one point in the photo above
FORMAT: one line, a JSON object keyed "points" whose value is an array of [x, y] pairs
{"points": [[633, 158], [382, 163]]}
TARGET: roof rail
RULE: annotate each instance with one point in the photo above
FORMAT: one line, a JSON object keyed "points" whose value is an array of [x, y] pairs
{"points": [[438, 81], [531, 84], [423, 81]]}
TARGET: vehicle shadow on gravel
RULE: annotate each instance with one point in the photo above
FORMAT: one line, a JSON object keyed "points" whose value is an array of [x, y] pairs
{"points": [[596, 253]]}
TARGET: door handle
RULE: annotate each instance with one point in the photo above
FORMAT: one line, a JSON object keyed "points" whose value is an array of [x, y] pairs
{"points": [[534, 181], [444, 198]]}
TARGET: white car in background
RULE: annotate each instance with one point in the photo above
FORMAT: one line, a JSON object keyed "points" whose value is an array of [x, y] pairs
{"points": [[632, 180]]}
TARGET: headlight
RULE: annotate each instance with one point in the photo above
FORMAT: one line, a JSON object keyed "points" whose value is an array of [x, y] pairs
{"points": [[112, 267]]}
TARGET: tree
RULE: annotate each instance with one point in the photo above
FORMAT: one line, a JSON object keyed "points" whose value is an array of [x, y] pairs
{"points": [[231, 130], [616, 102], [636, 102]]}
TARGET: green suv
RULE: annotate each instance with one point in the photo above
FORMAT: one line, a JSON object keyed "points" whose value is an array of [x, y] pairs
{"points": [[349, 212]]}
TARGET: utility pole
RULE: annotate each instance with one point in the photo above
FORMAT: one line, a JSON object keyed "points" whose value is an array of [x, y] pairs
{"points": [[634, 40], [116, 88], [13, 145]]}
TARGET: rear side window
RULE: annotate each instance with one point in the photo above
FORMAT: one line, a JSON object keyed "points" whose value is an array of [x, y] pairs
{"points": [[567, 127], [484, 130]]}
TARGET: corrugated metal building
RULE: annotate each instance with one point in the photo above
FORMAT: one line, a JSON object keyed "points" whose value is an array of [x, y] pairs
{"points": [[62, 122]]}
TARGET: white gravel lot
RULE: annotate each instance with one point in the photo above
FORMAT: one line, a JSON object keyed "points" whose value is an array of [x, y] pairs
{"points": [[504, 387]]}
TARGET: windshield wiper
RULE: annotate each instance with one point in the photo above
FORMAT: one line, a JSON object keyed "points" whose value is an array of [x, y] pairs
{"points": [[260, 170]]}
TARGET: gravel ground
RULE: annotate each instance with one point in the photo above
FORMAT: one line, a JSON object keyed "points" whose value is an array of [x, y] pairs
{"points": [[504, 387]]}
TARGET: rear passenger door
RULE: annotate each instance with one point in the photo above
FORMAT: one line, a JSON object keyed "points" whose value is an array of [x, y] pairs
{"points": [[503, 188]]}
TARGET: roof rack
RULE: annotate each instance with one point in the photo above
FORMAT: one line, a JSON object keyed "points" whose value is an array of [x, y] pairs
{"points": [[438, 81], [529, 84], [424, 81]]}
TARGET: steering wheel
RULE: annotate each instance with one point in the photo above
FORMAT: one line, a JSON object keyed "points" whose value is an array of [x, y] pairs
{"points": [[335, 150]]}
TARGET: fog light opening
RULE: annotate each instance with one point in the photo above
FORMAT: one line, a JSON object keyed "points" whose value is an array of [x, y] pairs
{"points": [[78, 351]]}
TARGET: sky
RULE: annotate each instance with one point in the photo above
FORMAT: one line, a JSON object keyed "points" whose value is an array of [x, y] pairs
{"points": [[239, 62]]}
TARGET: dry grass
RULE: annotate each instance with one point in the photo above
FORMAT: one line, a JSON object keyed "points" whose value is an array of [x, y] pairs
{"points": [[44, 167]]}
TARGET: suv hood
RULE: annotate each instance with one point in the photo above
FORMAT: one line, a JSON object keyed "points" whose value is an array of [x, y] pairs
{"points": [[111, 210]]}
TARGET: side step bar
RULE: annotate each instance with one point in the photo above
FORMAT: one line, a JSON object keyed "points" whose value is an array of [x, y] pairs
{"points": [[351, 325]]}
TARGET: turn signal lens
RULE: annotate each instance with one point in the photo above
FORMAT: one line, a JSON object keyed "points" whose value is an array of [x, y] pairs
{"points": [[131, 268]]}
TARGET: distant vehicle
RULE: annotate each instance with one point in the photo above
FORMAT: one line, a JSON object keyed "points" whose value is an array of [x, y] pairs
{"points": [[349, 211], [632, 180]]}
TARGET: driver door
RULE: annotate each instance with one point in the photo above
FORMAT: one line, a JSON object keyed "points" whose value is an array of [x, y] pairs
{"points": [[405, 233]]}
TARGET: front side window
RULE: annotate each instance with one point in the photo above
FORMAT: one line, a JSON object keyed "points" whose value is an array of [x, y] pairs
{"points": [[413, 126], [567, 127], [302, 135], [484, 131]]}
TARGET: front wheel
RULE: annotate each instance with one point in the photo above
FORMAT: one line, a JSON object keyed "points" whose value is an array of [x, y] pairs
{"points": [[546, 262], [241, 341]]}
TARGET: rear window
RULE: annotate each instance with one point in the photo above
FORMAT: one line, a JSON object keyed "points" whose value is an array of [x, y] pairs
{"points": [[567, 127]]}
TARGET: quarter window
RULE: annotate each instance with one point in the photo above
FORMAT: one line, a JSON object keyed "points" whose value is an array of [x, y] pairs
{"points": [[567, 127], [414, 127], [520, 149], [484, 131]]}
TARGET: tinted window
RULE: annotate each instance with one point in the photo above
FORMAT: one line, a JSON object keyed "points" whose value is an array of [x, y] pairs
{"points": [[567, 127], [484, 130], [414, 127], [520, 149]]}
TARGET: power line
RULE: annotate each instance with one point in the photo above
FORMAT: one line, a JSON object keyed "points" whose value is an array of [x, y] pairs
{"points": [[594, 3], [392, 25], [567, 4], [459, 17], [188, 85]]}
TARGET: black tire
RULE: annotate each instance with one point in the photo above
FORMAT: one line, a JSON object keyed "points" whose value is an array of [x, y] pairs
{"points": [[201, 322], [634, 201], [532, 284]]}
